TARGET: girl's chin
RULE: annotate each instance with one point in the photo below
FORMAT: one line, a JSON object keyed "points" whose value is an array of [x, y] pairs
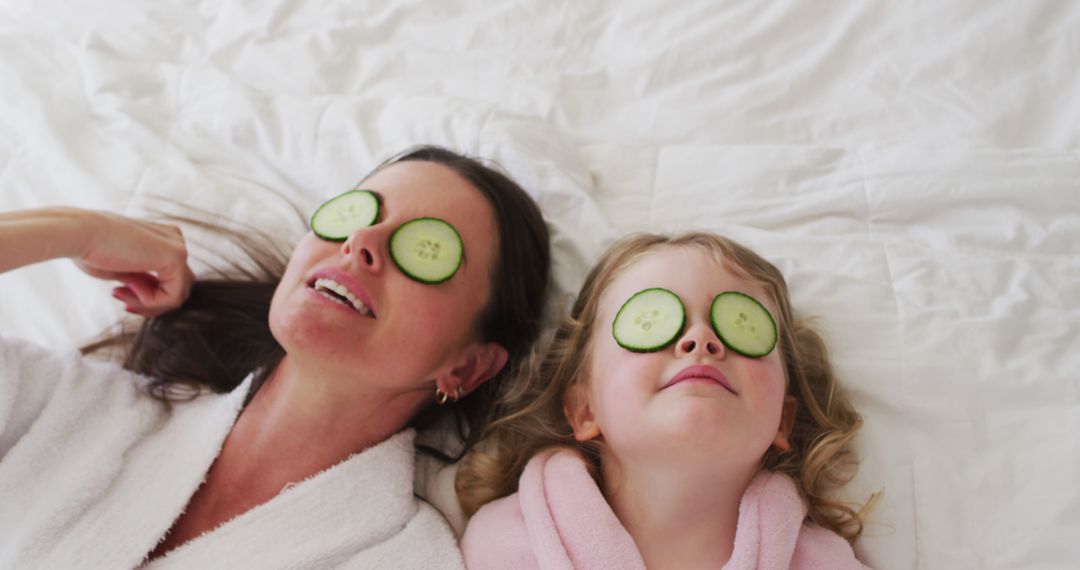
{"points": [[700, 421], [701, 415]]}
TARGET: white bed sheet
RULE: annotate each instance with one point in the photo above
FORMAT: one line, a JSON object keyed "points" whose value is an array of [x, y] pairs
{"points": [[912, 168]]}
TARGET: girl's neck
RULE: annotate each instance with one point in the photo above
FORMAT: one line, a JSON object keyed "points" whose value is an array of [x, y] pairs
{"points": [[679, 516]]}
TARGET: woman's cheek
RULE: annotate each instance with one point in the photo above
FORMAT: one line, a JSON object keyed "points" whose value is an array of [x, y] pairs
{"points": [[434, 327]]}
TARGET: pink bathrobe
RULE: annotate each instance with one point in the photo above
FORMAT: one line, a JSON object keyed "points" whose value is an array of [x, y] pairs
{"points": [[558, 519]]}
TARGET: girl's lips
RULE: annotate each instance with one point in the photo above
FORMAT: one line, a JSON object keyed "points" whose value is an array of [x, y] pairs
{"points": [[701, 372], [350, 283]]}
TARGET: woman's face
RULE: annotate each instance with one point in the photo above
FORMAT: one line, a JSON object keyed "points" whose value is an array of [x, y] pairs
{"points": [[415, 332]]}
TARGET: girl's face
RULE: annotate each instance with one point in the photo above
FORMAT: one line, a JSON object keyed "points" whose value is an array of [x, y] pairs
{"points": [[417, 332], [631, 401]]}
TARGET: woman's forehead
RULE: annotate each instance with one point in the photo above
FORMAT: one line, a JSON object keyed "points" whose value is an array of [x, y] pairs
{"points": [[429, 189], [429, 180]]}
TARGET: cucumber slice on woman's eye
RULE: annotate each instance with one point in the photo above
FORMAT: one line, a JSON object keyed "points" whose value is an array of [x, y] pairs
{"points": [[649, 321], [743, 324], [343, 214], [428, 250]]}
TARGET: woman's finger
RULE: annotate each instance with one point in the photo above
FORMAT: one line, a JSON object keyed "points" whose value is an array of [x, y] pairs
{"points": [[149, 258], [174, 285], [143, 285], [163, 292], [130, 301]]}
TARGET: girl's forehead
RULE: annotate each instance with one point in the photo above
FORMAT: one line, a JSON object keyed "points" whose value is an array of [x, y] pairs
{"points": [[693, 274], [671, 267]]}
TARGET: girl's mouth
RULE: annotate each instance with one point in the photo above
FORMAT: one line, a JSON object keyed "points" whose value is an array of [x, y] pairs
{"points": [[702, 372]]}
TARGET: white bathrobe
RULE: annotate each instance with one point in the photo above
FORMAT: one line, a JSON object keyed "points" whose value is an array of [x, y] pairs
{"points": [[93, 472]]}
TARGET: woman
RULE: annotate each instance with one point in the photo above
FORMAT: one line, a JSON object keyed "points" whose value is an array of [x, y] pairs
{"points": [[308, 461]]}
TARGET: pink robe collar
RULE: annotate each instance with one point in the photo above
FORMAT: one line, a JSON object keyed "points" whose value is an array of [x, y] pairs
{"points": [[570, 524]]}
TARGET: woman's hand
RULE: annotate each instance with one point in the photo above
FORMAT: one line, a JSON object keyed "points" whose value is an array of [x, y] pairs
{"points": [[150, 259]]}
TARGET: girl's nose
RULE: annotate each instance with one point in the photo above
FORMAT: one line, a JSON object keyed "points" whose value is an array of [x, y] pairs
{"points": [[699, 338], [363, 246]]}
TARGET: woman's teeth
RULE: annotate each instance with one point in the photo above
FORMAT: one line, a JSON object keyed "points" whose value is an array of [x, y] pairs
{"points": [[340, 294]]}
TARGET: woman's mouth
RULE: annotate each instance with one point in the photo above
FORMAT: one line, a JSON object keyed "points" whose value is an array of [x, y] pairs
{"points": [[340, 294]]}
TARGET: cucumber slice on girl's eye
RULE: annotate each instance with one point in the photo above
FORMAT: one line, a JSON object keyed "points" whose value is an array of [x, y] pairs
{"points": [[649, 321], [343, 214], [428, 250], [743, 324]]}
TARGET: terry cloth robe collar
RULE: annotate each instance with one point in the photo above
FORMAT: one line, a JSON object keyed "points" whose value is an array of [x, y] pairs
{"points": [[357, 504], [115, 509], [114, 504], [569, 524]]}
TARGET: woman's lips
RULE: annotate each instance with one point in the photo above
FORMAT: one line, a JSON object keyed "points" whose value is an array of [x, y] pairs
{"points": [[701, 372], [349, 282]]}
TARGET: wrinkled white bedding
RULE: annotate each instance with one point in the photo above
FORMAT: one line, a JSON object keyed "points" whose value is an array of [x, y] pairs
{"points": [[914, 170]]}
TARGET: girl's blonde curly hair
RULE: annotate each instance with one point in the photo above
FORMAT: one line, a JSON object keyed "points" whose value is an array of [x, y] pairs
{"points": [[531, 412]]}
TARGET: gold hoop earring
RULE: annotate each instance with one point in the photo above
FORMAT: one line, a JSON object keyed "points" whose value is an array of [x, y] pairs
{"points": [[440, 396], [457, 394]]}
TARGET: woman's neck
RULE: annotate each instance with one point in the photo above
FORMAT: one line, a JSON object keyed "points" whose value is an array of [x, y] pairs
{"points": [[296, 426], [300, 422], [679, 516]]}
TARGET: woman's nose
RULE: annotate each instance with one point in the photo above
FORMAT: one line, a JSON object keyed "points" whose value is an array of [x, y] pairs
{"points": [[699, 338], [363, 247]]}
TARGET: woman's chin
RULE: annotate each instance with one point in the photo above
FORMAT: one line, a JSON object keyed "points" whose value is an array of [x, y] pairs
{"points": [[310, 332]]}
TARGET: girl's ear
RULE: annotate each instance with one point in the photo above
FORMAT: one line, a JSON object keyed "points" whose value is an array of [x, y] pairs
{"points": [[787, 423], [578, 412]]}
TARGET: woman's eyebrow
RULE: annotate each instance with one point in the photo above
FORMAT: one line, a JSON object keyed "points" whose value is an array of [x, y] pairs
{"points": [[382, 204], [382, 216]]}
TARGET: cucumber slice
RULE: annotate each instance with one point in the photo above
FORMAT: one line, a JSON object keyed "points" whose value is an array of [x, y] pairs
{"points": [[428, 250], [743, 324], [649, 321], [343, 214]]}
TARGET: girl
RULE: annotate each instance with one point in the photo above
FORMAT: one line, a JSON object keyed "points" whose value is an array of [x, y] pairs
{"points": [[308, 462], [682, 418]]}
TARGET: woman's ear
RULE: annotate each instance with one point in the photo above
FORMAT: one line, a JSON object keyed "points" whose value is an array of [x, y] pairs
{"points": [[480, 364], [579, 413], [787, 423]]}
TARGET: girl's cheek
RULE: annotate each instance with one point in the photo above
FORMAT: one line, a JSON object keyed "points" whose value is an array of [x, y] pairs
{"points": [[609, 379], [767, 376]]}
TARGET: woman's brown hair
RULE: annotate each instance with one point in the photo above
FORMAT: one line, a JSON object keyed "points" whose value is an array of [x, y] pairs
{"points": [[820, 458], [222, 332]]}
